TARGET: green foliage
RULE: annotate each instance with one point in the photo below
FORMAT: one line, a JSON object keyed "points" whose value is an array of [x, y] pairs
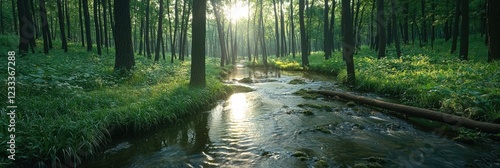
{"points": [[70, 104], [424, 77]]}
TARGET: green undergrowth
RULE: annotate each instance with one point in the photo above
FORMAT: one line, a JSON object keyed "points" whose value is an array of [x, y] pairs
{"points": [[69, 104], [423, 77]]}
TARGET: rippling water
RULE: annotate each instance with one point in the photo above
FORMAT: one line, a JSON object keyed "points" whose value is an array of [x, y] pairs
{"points": [[267, 128]]}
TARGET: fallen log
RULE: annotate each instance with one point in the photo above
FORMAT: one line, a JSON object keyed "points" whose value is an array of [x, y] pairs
{"points": [[417, 112]]}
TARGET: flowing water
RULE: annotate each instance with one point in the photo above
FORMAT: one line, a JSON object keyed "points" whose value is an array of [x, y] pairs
{"points": [[271, 127]]}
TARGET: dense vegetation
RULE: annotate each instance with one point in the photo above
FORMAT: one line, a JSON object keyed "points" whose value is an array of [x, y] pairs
{"points": [[422, 77], [70, 104]]}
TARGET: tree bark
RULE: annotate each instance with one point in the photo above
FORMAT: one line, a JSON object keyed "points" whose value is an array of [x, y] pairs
{"points": [[220, 31], [417, 112], [87, 24], [45, 26], [68, 25], [61, 26], [197, 78], [348, 46], [406, 8], [146, 32], [326, 32], [97, 28], [395, 29], [283, 34], [464, 32], [493, 19], [124, 57], [82, 37], [276, 29], [160, 32], [292, 27], [303, 36], [381, 23], [455, 27]]}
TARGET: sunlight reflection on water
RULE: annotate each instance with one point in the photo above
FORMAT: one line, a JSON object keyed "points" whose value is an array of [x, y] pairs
{"points": [[238, 105]]}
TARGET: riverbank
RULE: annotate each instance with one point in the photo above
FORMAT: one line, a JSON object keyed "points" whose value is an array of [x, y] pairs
{"points": [[70, 105], [422, 77]]}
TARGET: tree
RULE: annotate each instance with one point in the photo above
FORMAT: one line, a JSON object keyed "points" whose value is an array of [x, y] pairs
{"points": [[276, 29], [81, 22], [146, 32], [220, 31], [326, 32], [160, 32], [292, 26], [97, 28], [86, 15], [124, 57], [25, 25], [395, 29], [61, 26], [381, 29], [348, 47], [197, 78], [45, 26], [455, 27], [1, 18], [464, 30], [493, 19], [303, 36]]}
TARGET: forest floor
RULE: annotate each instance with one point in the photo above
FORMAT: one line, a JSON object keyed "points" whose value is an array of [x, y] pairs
{"points": [[69, 105], [423, 77]]}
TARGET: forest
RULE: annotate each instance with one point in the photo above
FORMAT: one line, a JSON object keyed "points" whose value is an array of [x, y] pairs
{"points": [[89, 71]]}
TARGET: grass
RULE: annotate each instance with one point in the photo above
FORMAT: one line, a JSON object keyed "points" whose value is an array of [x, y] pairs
{"points": [[423, 77], [69, 104]]}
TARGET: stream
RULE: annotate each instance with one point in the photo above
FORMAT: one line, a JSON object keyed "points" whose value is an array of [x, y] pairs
{"points": [[272, 127]]}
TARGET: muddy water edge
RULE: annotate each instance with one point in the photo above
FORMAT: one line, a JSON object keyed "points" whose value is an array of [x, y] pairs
{"points": [[273, 127]]}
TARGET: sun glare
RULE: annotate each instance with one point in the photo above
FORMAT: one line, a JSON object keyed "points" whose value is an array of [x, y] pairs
{"points": [[237, 11], [239, 105]]}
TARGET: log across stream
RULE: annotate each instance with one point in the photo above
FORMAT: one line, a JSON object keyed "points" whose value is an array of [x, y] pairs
{"points": [[417, 112]]}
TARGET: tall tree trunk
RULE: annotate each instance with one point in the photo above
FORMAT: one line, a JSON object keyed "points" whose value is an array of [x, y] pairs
{"points": [[61, 26], [326, 32], [381, 29], [433, 28], [464, 32], [197, 78], [105, 20], [303, 36], [493, 23], [262, 35], [160, 32], [68, 24], [1, 18], [220, 31], [24, 34], [124, 57], [395, 29], [45, 26], [146, 31], [373, 35], [97, 27], [406, 8], [292, 28], [141, 37], [14, 16], [348, 46], [82, 37], [332, 24], [276, 29], [424, 24], [249, 52], [455, 27], [87, 24], [283, 33]]}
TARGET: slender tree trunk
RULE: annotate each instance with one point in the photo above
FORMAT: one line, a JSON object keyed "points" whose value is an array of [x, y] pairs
{"points": [[1, 17], [433, 28], [395, 29], [263, 37], [424, 24], [160, 32], [61, 26], [493, 23], [105, 19], [348, 46], [381, 29], [68, 23], [326, 32], [303, 36], [249, 52], [373, 35], [14, 16], [198, 42], [141, 37], [455, 27], [220, 30], [292, 26], [124, 57], [464, 32], [45, 26], [283, 33], [87, 24], [146, 32], [97, 27], [276, 29], [406, 8], [82, 37], [332, 25]]}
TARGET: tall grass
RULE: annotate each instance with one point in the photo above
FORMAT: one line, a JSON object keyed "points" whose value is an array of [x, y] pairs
{"points": [[424, 77], [69, 104]]}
